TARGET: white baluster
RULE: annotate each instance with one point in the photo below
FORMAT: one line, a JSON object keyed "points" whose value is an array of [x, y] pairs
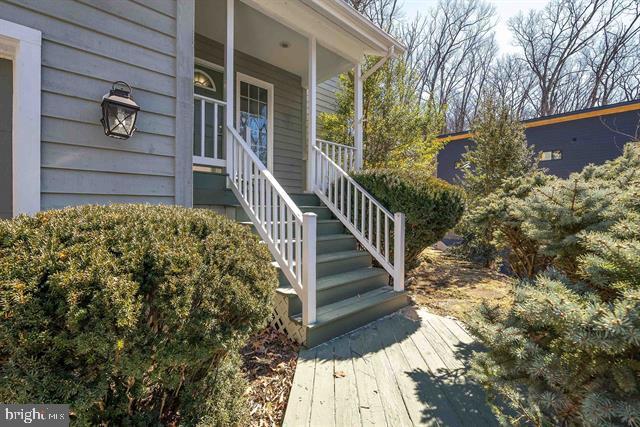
{"points": [[269, 208], [378, 228], [348, 201], [289, 239], [203, 107], [386, 237], [370, 220], [283, 220], [355, 207], [341, 195], [362, 217], [215, 130]]}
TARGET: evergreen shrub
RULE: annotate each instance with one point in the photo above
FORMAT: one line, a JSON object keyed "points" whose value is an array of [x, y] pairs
{"points": [[499, 153], [568, 351], [132, 314], [431, 206]]}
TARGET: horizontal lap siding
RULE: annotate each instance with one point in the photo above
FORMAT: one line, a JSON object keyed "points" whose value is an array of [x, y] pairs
{"points": [[288, 122], [326, 94], [86, 46]]}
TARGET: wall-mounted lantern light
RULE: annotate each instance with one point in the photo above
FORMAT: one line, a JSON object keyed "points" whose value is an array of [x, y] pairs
{"points": [[119, 111]]}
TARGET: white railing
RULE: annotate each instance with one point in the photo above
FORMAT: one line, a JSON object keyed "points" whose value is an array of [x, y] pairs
{"points": [[289, 234], [342, 155], [211, 151], [379, 231]]}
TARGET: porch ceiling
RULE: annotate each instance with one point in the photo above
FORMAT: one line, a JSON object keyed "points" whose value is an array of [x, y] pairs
{"points": [[262, 26]]}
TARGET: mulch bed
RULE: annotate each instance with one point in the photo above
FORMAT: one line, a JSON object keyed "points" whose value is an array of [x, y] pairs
{"points": [[450, 286], [269, 362]]}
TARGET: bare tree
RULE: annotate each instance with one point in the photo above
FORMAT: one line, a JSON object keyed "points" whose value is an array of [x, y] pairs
{"points": [[455, 30], [511, 84], [606, 57], [449, 48], [572, 54], [474, 78], [551, 40], [384, 13]]}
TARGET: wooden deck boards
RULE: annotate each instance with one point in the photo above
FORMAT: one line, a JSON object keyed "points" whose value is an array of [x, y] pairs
{"points": [[403, 370]]}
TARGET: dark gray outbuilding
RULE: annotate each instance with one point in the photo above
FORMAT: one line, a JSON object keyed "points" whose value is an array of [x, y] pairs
{"points": [[568, 142]]}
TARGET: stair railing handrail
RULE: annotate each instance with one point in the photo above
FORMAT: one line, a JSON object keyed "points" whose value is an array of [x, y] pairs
{"points": [[341, 154], [289, 234], [357, 210]]}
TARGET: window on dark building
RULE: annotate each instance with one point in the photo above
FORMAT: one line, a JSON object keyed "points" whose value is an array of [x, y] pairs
{"points": [[544, 156]]}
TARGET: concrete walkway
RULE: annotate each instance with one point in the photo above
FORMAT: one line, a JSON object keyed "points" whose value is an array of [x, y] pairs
{"points": [[406, 369]]}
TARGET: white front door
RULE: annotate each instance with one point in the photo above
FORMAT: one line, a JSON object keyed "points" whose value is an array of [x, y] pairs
{"points": [[254, 119]]}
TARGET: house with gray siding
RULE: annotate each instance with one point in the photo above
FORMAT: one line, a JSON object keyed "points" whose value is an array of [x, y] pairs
{"points": [[564, 143], [219, 100]]}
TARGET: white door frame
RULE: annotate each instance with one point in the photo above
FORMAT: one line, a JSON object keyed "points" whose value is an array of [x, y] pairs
{"points": [[269, 87], [209, 64], [22, 45]]}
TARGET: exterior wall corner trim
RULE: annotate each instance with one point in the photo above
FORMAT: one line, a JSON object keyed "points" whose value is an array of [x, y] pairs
{"points": [[23, 46]]}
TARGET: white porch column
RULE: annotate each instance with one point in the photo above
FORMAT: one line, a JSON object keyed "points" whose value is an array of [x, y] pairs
{"points": [[358, 115], [312, 108], [229, 83]]}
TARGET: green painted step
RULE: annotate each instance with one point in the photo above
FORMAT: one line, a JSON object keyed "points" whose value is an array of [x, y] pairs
{"points": [[344, 316], [331, 243], [323, 212], [211, 189], [324, 226], [350, 292], [329, 226], [334, 263], [305, 199], [328, 243], [334, 288], [214, 197], [211, 181], [340, 262]]}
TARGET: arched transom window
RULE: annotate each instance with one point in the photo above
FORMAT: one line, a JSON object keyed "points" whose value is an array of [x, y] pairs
{"points": [[203, 80]]}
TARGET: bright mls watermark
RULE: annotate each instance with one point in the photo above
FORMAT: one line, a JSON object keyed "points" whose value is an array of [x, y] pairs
{"points": [[34, 414]]}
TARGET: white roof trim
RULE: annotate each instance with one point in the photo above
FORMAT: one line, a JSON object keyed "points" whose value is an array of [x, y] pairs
{"points": [[337, 26], [341, 12]]}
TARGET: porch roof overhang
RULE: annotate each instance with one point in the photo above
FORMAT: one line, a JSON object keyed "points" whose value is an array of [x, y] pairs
{"points": [[343, 35], [374, 40], [334, 23]]}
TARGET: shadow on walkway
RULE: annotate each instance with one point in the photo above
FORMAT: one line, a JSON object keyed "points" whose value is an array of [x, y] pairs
{"points": [[410, 368]]}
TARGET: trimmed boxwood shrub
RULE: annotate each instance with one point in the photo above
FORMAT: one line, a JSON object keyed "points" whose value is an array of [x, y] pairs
{"points": [[132, 314], [431, 206]]}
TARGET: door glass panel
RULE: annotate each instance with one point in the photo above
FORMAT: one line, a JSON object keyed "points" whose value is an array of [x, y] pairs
{"points": [[208, 130], [254, 118]]}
